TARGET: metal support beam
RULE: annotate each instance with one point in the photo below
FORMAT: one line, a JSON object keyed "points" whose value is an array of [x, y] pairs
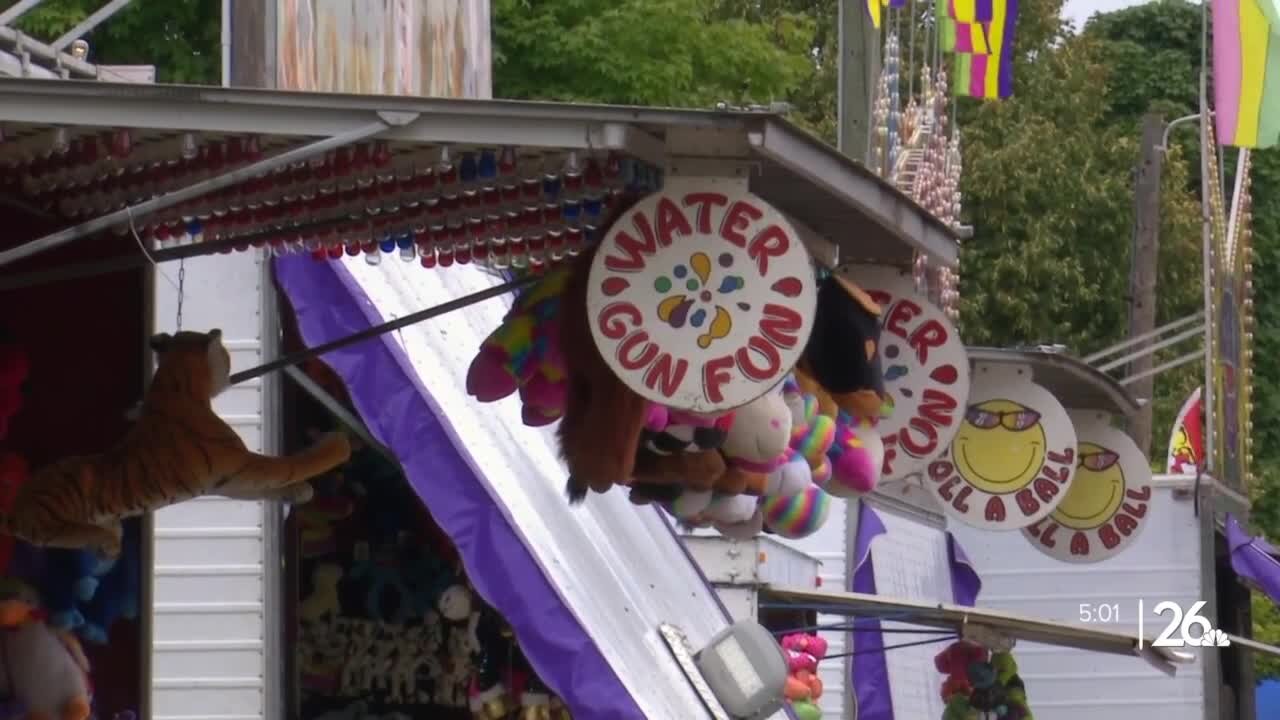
{"points": [[1176, 362], [19, 43], [390, 326], [1126, 344], [100, 16], [20, 8], [130, 214], [1150, 350], [338, 410]]}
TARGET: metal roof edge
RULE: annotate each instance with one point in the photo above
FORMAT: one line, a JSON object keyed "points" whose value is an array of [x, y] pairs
{"points": [[1122, 402]]}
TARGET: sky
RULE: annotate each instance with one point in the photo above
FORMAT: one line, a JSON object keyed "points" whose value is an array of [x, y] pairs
{"points": [[1078, 11]]}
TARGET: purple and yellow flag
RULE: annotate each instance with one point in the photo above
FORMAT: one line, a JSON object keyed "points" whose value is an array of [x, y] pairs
{"points": [[971, 11], [989, 75], [1246, 72], [875, 8]]}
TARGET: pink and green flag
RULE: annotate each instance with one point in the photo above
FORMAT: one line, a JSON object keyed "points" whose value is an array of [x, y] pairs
{"points": [[1246, 72]]}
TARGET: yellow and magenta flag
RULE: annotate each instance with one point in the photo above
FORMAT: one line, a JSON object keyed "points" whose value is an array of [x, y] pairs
{"points": [[1246, 72], [983, 51], [972, 11]]}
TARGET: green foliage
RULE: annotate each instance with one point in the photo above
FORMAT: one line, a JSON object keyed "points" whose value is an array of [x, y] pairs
{"points": [[689, 53], [179, 37]]}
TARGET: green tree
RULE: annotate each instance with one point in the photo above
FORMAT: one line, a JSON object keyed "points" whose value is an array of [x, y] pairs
{"points": [[179, 37]]}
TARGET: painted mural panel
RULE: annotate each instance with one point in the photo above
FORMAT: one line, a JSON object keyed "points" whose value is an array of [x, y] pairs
{"points": [[385, 47]]}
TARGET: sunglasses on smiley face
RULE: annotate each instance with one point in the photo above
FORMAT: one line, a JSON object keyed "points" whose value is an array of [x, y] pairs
{"points": [[1098, 461], [1011, 420]]}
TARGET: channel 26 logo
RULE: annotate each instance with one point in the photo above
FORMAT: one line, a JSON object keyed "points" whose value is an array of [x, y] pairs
{"points": [[1179, 633]]}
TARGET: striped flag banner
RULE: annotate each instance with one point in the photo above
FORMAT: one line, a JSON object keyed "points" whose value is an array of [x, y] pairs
{"points": [[875, 8], [989, 76], [959, 36], [1246, 72], [972, 11]]}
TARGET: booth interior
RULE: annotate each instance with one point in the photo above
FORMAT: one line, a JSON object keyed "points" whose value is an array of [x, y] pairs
{"points": [[73, 361]]}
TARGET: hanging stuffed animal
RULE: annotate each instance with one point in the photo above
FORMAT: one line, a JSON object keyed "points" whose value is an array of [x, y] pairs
{"points": [[523, 354], [756, 444], [44, 670], [178, 450], [841, 361], [679, 453], [857, 456], [603, 418], [803, 688]]}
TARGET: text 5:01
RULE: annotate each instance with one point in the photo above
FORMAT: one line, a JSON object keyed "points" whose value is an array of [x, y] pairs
{"points": [[1099, 613]]}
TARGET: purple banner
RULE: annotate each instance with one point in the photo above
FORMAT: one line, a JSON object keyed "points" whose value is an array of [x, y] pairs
{"points": [[389, 396]]}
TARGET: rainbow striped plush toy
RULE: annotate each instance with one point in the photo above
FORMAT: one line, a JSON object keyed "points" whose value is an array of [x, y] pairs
{"points": [[523, 354]]}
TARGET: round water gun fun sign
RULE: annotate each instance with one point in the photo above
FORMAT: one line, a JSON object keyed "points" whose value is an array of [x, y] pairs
{"points": [[701, 297]]}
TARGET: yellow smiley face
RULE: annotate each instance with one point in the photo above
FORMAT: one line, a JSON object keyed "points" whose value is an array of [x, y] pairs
{"points": [[1096, 490], [999, 448]]}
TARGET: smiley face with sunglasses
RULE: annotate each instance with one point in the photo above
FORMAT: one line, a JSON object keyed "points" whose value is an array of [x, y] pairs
{"points": [[1000, 446]]}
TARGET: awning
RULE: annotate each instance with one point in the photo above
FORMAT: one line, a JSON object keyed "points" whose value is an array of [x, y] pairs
{"points": [[826, 195], [584, 587], [962, 620], [1077, 384], [1254, 559]]}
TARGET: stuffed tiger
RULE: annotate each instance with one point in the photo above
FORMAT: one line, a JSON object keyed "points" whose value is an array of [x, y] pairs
{"points": [[178, 450]]}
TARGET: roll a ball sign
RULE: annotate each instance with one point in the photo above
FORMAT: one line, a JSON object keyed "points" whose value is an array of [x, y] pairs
{"points": [[1013, 457], [926, 370], [1108, 501], [701, 297]]}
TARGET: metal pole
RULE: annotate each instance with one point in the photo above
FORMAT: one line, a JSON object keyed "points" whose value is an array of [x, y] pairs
{"points": [[338, 410], [1150, 350], [1124, 345], [103, 14], [367, 333], [66, 61], [133, 212], [20, 8], [1176, 362]]}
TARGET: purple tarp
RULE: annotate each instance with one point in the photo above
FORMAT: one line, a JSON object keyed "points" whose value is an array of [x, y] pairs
{"points": [[399, 412], [871, 695], [1254, 558]]}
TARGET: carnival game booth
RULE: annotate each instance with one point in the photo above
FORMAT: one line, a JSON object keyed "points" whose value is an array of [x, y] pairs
{"points": [[371, 207], [1121, 549]]}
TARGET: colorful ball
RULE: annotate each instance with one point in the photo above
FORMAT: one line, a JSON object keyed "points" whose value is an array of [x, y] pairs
{"points": [[797, 516]]}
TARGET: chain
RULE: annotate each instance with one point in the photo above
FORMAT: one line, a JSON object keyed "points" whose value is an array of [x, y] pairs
{"points": [[182, 279]]}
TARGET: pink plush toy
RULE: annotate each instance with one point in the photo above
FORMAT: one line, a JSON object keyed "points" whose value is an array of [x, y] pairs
{"points": [[524, 354], [856, 455]]}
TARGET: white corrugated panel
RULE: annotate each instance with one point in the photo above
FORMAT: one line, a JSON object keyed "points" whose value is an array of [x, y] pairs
{"points": [[910, 561], [829, 547], [617, 567], [1162, 564], [209, 630]]}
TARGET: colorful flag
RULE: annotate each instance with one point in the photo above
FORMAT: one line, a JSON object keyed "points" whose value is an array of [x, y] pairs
{"points": [[961, 36], [1186, 441], [990, 75], [1246, 73], [972, 11], [875, 11]]}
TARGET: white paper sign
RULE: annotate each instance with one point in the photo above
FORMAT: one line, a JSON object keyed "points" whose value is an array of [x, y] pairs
{"points": [[926, 370], [701, 297], [1107, 503], [1013, 457]]}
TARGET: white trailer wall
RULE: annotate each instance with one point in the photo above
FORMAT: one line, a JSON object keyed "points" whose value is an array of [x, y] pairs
{"points": [[1162, 564], [217, 561]]}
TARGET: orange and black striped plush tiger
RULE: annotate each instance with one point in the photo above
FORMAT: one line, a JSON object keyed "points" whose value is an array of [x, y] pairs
{"points": [[178, 450]]}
